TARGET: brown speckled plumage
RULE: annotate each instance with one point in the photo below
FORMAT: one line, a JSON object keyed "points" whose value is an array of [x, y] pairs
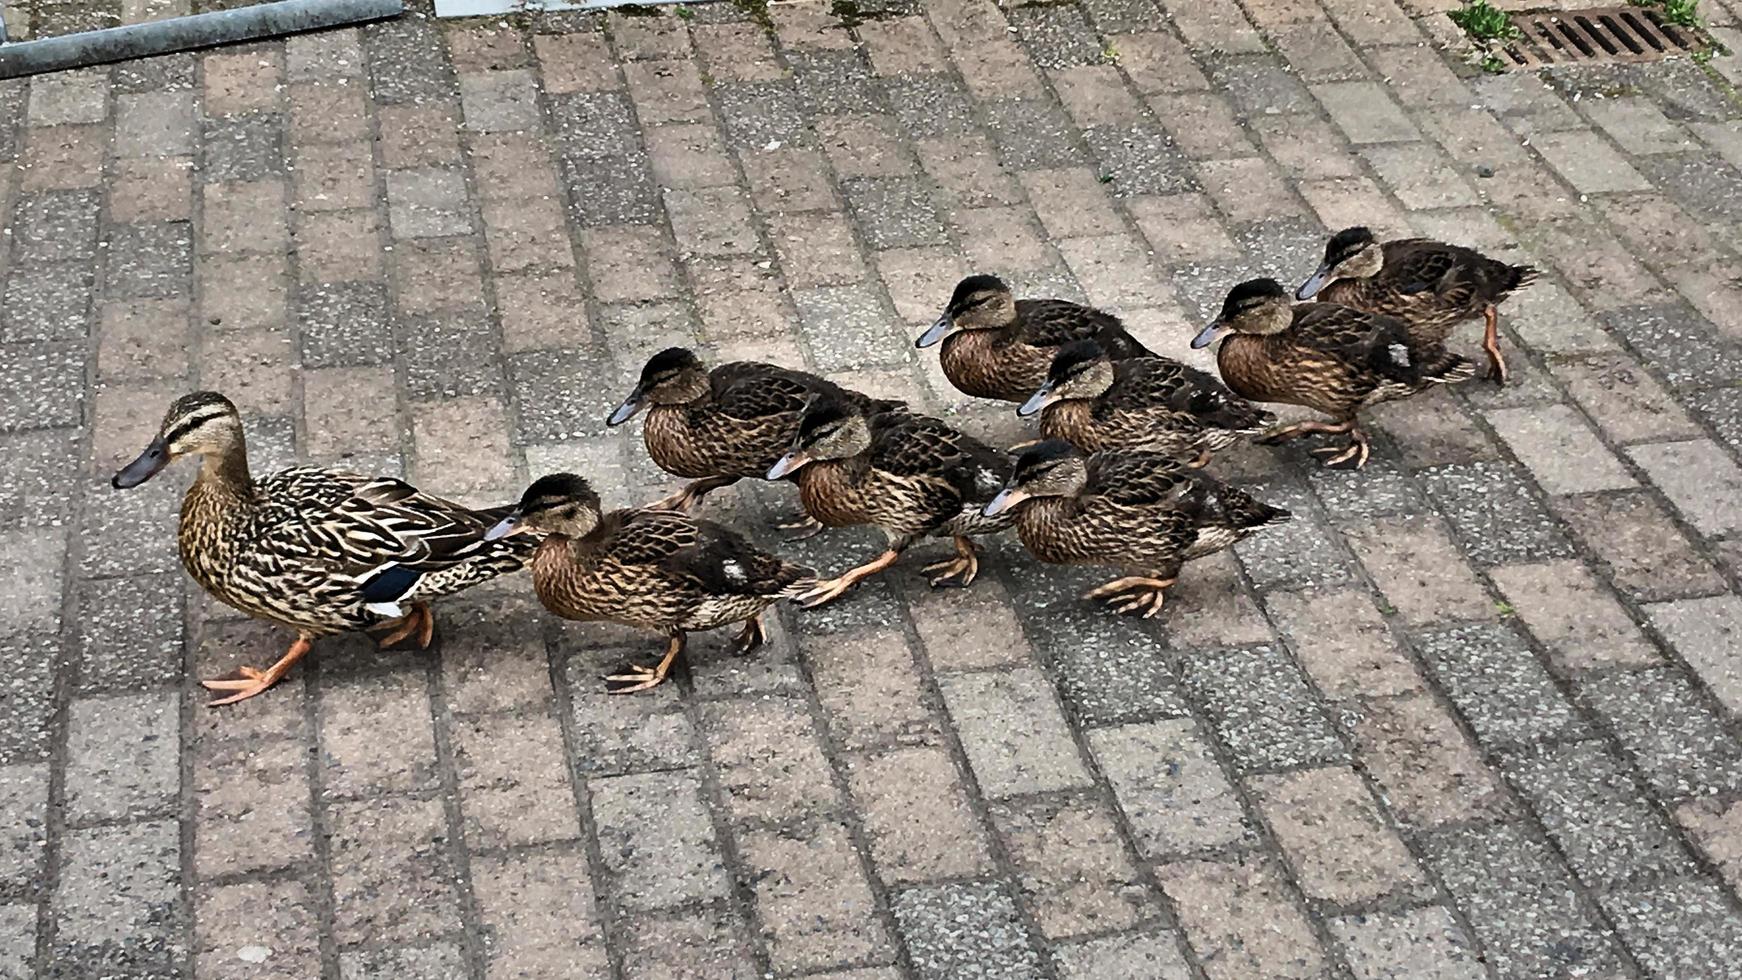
{"points": [[1431, 286]]}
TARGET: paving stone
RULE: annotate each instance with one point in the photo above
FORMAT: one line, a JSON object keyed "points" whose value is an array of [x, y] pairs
{"points": [[377, 735], [894, 213], [1240, 919], [1680, 744], [1579, 622], [1521, 903], [1707, 933], [1032, 135], [847, 327], [1364, 112], [1645, 553], [1298, 553], [759, 113], [656, 839], [411, 962], [115, 906], [964, 929], [1426, 943], [1418, 568], [1560, 450], [1684, 347], [1015, 739], [1343, 643], [1139, 159], [1716, 828], [813, 903], [393, 879], [1624, 401], [1133, 956], [917, 816], [1333, 833], [226, 922], [24, 796], [1492, 511], [121, 757], [1262, 708], [969, 629], [538, 915], [1705, 633], [769, 763], [1170, 787], [1072, 868], [513, 780], [1702, 482], [1498, 685]]}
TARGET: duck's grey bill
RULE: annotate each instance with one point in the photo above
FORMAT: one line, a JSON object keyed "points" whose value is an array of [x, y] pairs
{"points": [[1311, 287], [935, 332], [1207, 336], [627, 410], [504, 527], [154, 458]]}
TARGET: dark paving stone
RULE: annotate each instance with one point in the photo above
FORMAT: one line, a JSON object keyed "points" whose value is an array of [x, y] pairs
{"points": [[271, 443], [449, 356], [1139, 159], [1522, 905], [966, 929], [1124, 16], [1681, 746], [831, 81], [1033, 135], [242, 148], [1056, 35], [618, 190], [1055, 282], [408, 61], [164, 73], [930, 106], [1491, 506], [1262, 708], [1704, 184], [1680, 930], [1203, 287], [1111, 670], [150, 260], [1379, 489], [1722, 410], [1498, 684], [1260, 85], [130, 532], [1679, 342], [41, 386], [47, 302], [1299, 553], [27, 668], [894, 212], [33, 477], [129, 632], [1285, 249], [345, 325], [559, 395], [595, 126], [117, 907], [759, 113], [56, 226], [1598, 817], [1685, 91], [848, 327]]}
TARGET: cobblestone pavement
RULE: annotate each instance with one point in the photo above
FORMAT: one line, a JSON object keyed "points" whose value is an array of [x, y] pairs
{"points": [[1472, 714]]}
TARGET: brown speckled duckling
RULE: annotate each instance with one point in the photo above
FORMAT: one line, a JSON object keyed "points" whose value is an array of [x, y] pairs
{"points": [[1139, 511], [910, 475], [1331, 358], [1002, 346], [1152, 403], [1429, 285], [721, 426], [656, 569]]}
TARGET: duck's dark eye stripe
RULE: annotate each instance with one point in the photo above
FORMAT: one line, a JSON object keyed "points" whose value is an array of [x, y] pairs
{"points": [[186, 426]]}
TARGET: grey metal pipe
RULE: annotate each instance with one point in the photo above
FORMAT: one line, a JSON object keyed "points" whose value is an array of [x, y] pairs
{"points": [[186, 33]]}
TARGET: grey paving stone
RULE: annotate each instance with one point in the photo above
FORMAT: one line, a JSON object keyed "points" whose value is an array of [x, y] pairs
{"points": [[435, 962], [1522, 904], [1139, 159], [1032, 135], [620, 190], [894, 212], [1132, 956], [149, 260], [449, 356], [1111, 670], [24, 800], [27, 683], [31, 474], [55, 226], [1679, 342], [1681, 746], [1379, 489], [1015, 737], [759, 113], [122, 756], [428, 203], [595, 125], [1281, 247], [1707, 186], [848, 327], [1170, 787], [1591, 808], [967, 929], [558, 394], [1124, 16], [930, 106], [1491, 507], [1299, 553], [344, 325], [1260, 84], [1498, 684], [17, 939], [116, 905], [1680, 930], [656, 839], [1707, 633], [408, 61], [1722, 410], [1057, 36], [1262, 708], [247, 147], [831, 81], [48, 302], [1426, 943]]}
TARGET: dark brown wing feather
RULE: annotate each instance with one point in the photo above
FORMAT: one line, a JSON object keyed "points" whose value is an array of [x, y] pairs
{"points": [[1057, 322]]}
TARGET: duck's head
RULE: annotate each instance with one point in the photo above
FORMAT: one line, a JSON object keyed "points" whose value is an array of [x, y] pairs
{"points": [[561, 503], [1255, 306], [1052, 468], [674, 376], [979, 303], [1080, 369], [829, 430], [1352, 253], [204, 423]]}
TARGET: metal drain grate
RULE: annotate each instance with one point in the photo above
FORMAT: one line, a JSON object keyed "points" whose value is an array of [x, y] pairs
{"points": [[1596, 36]]}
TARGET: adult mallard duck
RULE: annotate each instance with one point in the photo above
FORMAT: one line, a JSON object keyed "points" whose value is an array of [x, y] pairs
{"points": [[1431, 286], [1331, 358], [1002, 346], [1140, 511], [655, 569], [1154, 403], [910, 475], [718, 427], [319, 550]]}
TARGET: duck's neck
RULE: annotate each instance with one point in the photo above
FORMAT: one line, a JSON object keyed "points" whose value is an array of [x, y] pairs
{"points": [[227, 472], [215, 515]]}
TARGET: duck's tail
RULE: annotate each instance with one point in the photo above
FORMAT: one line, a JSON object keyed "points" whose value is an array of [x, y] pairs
{"points": [[1243, 512], [794, 581], [1515, 277], [1439, 366]]}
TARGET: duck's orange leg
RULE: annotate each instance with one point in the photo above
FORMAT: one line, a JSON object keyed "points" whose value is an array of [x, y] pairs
{"points": [[250, 682], [419, 620], [642, 678], [1491, 344], [831, 589], [1299, 429]]}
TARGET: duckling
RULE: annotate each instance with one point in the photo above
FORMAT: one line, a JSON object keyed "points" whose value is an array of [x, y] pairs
{"points": [[1335, 359], [321, 551], [1152, 403], [1003, 345], [656, 569], [910, 475], [718, 427], [1431, 286], [1137, 510]]}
